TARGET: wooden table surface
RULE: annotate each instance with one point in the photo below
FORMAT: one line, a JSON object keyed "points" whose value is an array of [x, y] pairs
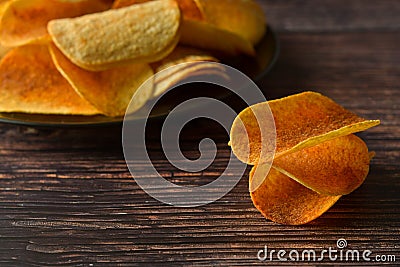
{"points": [[67, 197]]}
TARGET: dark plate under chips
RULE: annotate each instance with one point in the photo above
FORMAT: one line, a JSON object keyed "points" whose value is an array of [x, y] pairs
{"points": [[267, 52]]}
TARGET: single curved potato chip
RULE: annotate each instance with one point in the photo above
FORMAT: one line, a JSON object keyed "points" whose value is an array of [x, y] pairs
{"points": [[189, 8], [166, 76], [302, 120], [110, 91], [335, 167], [207, 36], [25, 21], [183, 54], [170, 77], [141, 33], [285, 201], [30, 83], [242, 17]]}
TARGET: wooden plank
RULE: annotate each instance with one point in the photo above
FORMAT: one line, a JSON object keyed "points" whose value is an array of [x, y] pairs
{"points": [[332, 15]]}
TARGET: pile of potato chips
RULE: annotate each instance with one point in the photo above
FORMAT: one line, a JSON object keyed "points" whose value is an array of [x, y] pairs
{"points": [[87, 57], [317, 158]]}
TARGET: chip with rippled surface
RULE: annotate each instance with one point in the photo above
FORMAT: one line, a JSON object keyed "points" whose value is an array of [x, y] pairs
{"points": [[141, 33]]}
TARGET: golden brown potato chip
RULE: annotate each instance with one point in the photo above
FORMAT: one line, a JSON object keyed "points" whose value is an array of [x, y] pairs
{"points": [[242, 17], [110, 91], [183, 54], [285, 201], [189, 8], [166, 76], [172, 76], [26, 21], [301, 120], [335, 167], [30, 83], [206, 36], [141, 33]]}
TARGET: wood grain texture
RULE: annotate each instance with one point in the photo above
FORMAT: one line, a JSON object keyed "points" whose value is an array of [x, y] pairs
{"points": [[67, 198], [333, 15]]}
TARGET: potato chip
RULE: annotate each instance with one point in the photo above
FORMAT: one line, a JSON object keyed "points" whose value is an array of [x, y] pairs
{"points": [[301, 120], [183, 54], [285, 201], [242, 17], [26, 21], [335, 167], [189, 8], [206, 36], [166, 76], [142, 33], [110, 91], [30, 83], [170, 77]]}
